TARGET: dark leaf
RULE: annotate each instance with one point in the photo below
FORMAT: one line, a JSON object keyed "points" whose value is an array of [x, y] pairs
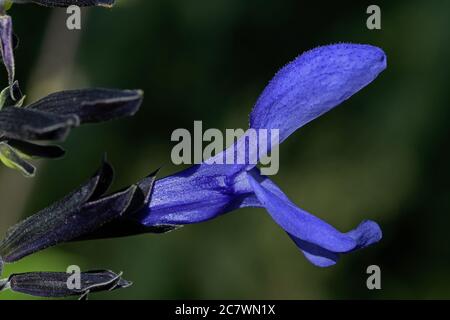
{"points": [[105, 176], [92, 105], [53, 228], [35, 150], [55, 284], [28, 124], [7, 47], [125, 225], [124, 228], [66, 3], [83, 215], [52, 117], [142, 197], [96, 186], [68, 218]]}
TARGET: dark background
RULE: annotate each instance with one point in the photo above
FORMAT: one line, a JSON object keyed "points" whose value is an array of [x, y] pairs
{"points": [[382, 155]]}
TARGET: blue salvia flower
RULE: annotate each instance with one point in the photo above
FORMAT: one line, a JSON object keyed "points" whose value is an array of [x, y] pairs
{"points": [[306, 88]]}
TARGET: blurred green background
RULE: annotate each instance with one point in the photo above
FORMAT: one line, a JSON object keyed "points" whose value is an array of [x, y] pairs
{"points": [[382, 155]]}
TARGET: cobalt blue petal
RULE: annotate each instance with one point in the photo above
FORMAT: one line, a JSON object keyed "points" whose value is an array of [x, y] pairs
{"points": [[320, 242], [314, 83], [316, 255], [197, 194], [367, 233], [300, 223]]}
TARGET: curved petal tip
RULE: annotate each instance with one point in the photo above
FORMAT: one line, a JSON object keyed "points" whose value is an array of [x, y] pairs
{"points": [[366, 234]]}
